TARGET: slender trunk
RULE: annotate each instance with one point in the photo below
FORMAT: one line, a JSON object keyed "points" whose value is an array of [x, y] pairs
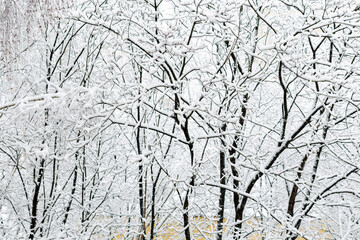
{"points": [[141, 191], [219, 228], [185, 129], [293, 194], [235, 175], [73, 189], [140, 170], [186, 217], [52, 189], [83, 188], [35, 200]]}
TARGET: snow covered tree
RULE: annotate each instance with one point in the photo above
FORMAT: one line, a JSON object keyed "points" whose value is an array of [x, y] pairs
{"points": [[146, 119]]}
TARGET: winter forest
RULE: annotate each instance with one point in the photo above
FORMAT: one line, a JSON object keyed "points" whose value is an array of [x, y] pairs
{"points": [[180, 119]]}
